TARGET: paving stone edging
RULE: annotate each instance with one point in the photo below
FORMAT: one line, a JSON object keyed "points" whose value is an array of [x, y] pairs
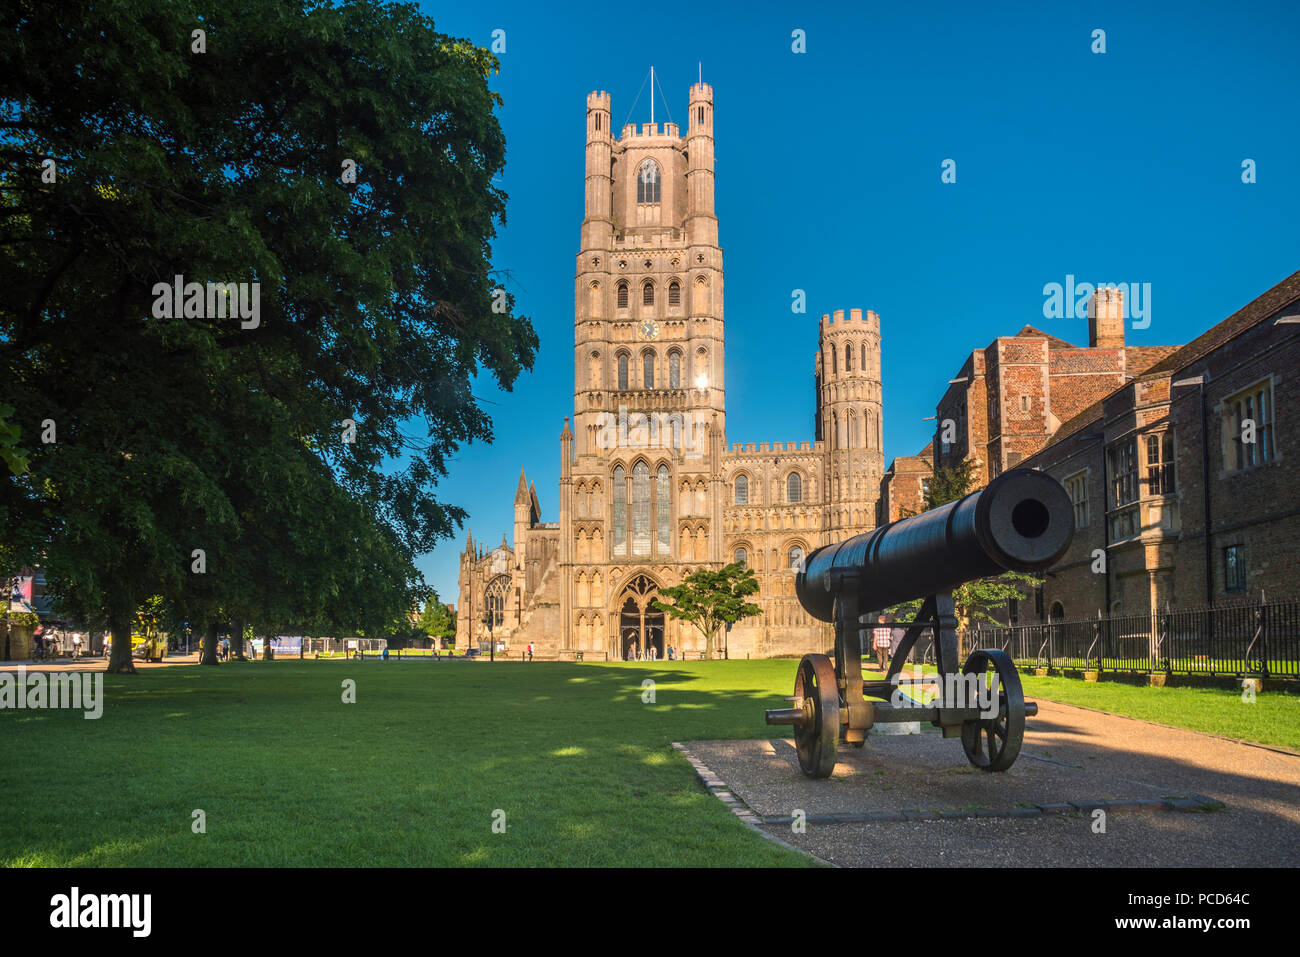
{"points": [[722, 791], [718, 788]]}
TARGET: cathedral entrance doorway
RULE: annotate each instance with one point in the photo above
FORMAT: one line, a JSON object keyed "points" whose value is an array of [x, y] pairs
{"points": [[640, 626]]}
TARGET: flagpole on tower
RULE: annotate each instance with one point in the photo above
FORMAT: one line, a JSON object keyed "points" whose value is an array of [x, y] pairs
{"points": [[652, 94]]}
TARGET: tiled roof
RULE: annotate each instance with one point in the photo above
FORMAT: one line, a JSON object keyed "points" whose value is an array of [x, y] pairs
{"points": [[1089, 415], [1163, 360], [1288, 290], [1029, 332], [1138, 359]]}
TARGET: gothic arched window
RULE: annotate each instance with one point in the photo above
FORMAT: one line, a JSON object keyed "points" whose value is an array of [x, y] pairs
{"points": [[663, 511], [648, 294], [675, 371], [674, 293], [794, 487], [701, 369], [848, 358], [622, 372], [648, 370], [647, 182], [796, 558], [640, 509], [742, 490], [620, 511], [622, 295], [835, 368], [864, 357], [495, 600], [740, 557], [701, 304]]}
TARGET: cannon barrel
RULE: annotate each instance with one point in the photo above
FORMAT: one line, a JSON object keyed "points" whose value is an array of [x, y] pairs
{"points": [[1021, 521]]}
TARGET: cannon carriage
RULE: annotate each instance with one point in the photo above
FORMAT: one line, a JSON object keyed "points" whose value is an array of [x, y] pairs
{"points": [[1022, 521]]}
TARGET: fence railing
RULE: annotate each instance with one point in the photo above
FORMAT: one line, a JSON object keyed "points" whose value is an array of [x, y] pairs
{"points": [[1260, 639]]}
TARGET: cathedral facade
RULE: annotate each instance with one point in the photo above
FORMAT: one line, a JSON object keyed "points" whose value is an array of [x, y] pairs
{"points": [[650, 490]]}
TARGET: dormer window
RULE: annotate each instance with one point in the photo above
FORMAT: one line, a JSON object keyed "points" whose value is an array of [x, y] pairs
{"points": [[647, 182]]}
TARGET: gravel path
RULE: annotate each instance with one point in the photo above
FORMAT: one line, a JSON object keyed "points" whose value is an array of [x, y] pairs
{"points": [[1070, 755]]}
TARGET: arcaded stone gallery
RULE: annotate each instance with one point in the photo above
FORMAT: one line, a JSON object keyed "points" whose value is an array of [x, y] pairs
{"points": [[650, 489]]}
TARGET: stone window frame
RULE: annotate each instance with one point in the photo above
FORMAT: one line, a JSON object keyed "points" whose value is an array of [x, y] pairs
{"points": [[798, 475], [1231, 446], [749, 485], [1084, 503], [649, 189]]}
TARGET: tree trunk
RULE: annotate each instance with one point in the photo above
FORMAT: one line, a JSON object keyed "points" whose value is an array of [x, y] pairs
{"points": [[120, 663], [209, 655], [237, 640]]}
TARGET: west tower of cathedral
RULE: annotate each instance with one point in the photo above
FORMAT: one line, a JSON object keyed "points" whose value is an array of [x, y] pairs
{"points": [[650, 491]]}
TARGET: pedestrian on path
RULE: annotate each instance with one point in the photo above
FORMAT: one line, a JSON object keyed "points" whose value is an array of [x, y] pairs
{"points": [[882, 636]]}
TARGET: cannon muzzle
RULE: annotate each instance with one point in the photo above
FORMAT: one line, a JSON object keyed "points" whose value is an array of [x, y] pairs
{"points": [[1021, 521]]}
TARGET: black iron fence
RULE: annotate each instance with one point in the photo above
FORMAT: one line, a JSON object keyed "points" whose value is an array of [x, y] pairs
{"points": [[1260, 639]]}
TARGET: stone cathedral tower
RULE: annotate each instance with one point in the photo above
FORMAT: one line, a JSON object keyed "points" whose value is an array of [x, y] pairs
{"points": [[649, 489], [850, 417]]}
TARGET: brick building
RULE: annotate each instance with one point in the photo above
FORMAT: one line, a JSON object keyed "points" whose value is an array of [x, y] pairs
{"points": [[905, 485], [1009, 398], [1195, 441]]}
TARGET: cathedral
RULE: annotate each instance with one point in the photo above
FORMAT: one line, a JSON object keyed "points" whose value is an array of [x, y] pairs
{"points": [[650, 490]]}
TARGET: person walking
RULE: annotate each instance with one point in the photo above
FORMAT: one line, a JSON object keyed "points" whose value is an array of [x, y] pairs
{"points": [[882, 636], [76, 645], [530, 651]]}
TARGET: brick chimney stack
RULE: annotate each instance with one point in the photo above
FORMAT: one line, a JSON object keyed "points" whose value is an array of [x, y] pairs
{"points": [[1106, 319]]}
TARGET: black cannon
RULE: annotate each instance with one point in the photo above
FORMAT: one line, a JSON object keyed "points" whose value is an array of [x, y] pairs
{"points": [[1022, 521]]}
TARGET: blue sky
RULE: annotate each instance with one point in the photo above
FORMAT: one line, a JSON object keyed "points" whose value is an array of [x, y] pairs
{"points": [[1118, 167]]}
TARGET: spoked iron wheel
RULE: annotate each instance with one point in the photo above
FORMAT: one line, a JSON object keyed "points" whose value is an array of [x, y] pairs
{"points": [[817, 692], [993, 744]]}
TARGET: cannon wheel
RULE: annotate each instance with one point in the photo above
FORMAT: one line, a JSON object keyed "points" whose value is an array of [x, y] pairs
{"points": [[994, 744], [815, 737]]}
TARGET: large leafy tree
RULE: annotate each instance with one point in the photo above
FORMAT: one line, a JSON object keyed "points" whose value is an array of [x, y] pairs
{"points": [[709, 599], [436, 619], [377, 302]]}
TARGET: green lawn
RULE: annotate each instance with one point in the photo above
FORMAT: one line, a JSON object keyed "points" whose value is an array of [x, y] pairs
{"points": [[412, 773], [409, 775], [1273, 717]]}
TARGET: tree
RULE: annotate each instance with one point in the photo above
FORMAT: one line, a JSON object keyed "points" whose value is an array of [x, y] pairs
{"points": [[709, 599], [974, 601], [436, 620], [377, 304]]}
